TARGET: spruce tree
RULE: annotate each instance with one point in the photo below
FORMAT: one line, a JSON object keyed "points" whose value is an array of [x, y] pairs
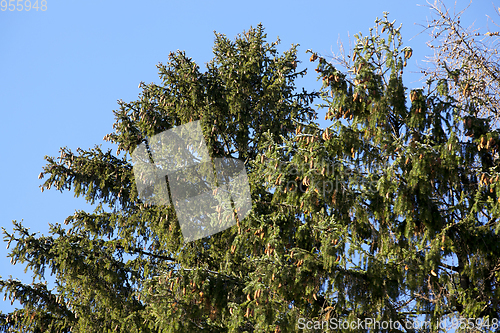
{"points": [[398, 219], [387, 214], [124, 266]]}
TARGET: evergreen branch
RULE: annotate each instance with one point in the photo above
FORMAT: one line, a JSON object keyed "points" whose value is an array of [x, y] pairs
{"points": [[140, 251]]}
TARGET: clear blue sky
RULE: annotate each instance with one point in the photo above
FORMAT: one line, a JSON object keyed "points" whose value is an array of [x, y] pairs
{"points": [[62, 71]]}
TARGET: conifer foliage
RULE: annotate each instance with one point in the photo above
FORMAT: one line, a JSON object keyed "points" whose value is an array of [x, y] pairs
{"points": [[125, 267], [399, 214], [388, 213]]}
